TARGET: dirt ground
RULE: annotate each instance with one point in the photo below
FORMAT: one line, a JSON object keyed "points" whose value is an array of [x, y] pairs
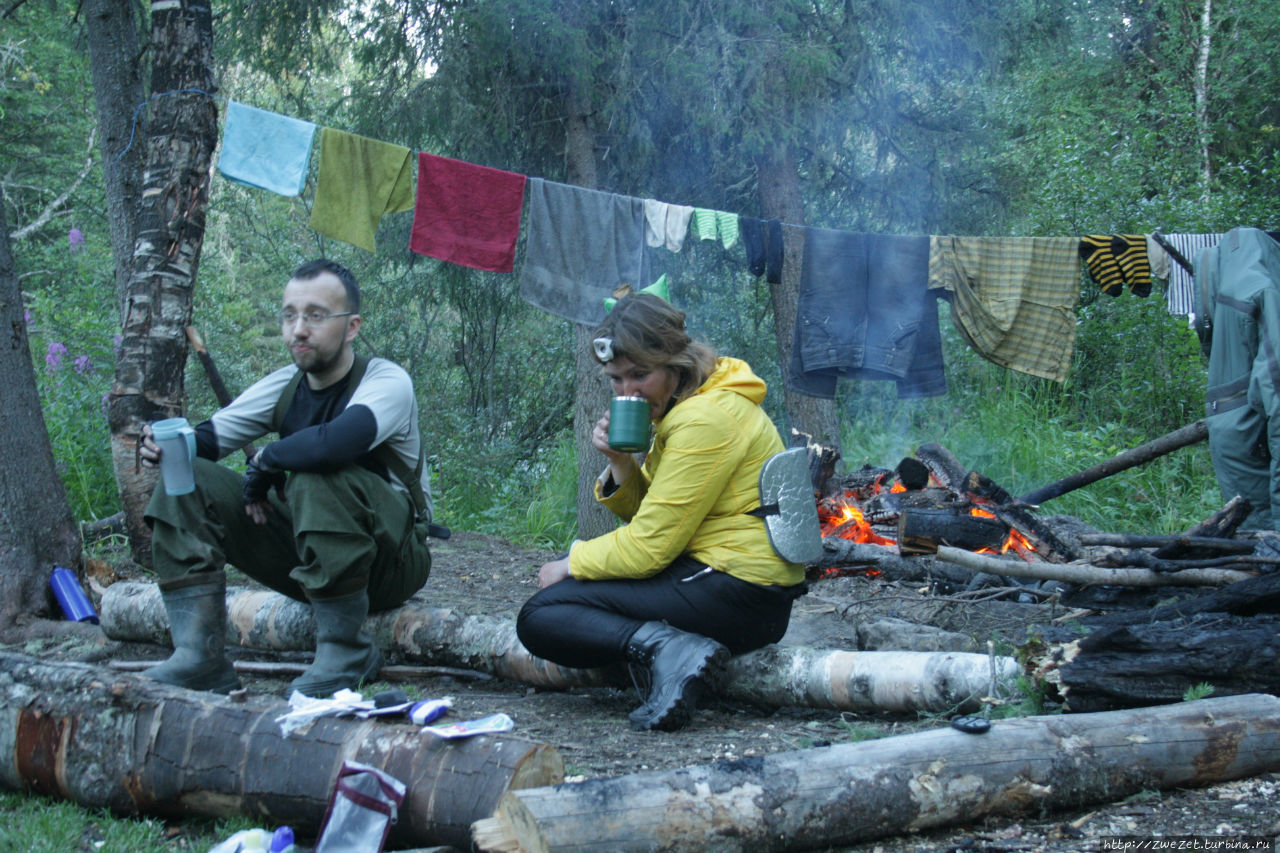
{"points": [[481, 574]]}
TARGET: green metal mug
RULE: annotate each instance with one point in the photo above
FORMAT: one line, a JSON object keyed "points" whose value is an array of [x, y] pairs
{"points": [[629, 424]]}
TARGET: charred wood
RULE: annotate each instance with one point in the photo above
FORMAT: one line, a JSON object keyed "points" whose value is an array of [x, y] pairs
{"points": [[822, 459], [1221, 525], [1147, 663], [921, 531], [1181, 542], [943, 465]]}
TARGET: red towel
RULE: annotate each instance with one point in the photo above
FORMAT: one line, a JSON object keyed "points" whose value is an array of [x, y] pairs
{"points": [[467, 214]]}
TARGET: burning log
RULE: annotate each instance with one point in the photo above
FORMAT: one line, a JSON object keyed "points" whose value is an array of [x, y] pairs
{"points": [[774, 676], [852, 793], [822, 459], [104, 739], [1088, 574], [921, 530], [1190, 434]]}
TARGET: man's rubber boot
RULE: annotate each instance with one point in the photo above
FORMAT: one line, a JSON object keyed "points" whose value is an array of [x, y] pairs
{"points": [[680, 665], [197, 608], [345, 654]]}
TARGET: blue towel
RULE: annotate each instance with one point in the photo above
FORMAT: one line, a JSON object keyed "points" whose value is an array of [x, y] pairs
{"points": [[265, 149]]}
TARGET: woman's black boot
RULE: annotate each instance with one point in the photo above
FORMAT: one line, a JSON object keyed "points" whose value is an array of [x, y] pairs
{"points": [[680, 665]]}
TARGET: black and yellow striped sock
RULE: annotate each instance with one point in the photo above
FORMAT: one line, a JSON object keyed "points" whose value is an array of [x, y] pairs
{"points": [[1130, 251], [1095, 249]]}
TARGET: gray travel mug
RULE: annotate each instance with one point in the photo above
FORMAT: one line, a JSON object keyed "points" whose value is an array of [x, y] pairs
{"points": [[629, 424]]}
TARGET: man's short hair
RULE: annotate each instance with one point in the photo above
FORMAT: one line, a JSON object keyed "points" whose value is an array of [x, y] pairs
{"points": [[313, 269]]}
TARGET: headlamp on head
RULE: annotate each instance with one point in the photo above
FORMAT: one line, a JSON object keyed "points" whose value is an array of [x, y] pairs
{"points": [[603, 348]]}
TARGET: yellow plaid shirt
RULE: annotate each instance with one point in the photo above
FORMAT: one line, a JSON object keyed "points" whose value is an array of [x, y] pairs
{"points": [[1012, 298]]}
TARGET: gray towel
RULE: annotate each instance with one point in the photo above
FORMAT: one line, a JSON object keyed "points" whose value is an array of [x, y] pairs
{"points": [[581, 245]]}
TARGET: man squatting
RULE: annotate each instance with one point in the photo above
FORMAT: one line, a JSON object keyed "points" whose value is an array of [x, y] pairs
{"points": [[327, 514]]}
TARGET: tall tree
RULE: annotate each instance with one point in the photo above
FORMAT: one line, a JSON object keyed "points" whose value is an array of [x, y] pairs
{"points": [[37, 531], [180, 140], [115, 63]]}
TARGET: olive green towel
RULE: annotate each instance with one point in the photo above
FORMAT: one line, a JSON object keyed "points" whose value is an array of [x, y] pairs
{"points": [[360, 180]]}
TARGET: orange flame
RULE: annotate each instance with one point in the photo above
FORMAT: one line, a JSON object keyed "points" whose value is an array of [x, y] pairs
{"points": [[848, 522]]}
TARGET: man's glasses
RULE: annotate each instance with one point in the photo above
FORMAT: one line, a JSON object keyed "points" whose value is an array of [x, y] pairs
{"points": [[313, 319]]}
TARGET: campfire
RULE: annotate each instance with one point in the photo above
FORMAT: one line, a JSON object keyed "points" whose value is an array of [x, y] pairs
{"points": [[925, 502]]}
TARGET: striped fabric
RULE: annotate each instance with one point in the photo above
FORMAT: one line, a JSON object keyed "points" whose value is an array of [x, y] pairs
{"points": [[1095, 251], [1012, 298], [1131, 255], [1181, 293], [1114, 260]]}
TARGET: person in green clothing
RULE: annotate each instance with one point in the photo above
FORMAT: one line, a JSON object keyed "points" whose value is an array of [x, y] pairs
{"points": [[334, 512], [1238, 321], [691, 578]]}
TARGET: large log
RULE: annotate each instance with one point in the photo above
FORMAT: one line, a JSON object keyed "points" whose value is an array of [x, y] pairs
{"points": [[1143, 453], [1141, 663], [891, 682], [1087, 574], [105, 739], [852, 793]]}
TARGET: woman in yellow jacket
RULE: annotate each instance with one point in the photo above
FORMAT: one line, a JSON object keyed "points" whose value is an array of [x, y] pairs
{"points": [[690, 578]]}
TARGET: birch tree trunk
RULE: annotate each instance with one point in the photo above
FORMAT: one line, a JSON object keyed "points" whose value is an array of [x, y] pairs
{"points": [[852, 793], [1200, 81], [37, 530], [180, 141], [775, 676]]}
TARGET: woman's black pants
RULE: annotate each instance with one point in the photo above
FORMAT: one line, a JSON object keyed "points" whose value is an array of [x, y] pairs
{"points": [[588, 623]]}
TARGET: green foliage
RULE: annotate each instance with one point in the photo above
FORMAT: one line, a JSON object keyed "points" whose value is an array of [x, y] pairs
{"points": [[1203, 690], [70, 317], [1028, 701]]}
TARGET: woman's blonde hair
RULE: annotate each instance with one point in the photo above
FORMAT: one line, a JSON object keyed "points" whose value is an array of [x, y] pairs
{"points": [[650, 332]]}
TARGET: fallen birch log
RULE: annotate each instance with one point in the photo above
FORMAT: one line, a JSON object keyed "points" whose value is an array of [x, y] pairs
{"points": [[1087, 574], [852, 793], [106, 739], [890, 682]]}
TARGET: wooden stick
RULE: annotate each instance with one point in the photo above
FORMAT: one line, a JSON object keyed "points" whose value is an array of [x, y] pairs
{"points": [[1124, 540], [1087, 574], [1173, 253], [215, 378], [267, 668], [1190, 434]]}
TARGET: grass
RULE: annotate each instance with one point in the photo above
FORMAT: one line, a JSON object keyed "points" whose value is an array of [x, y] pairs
{"points": [[35, 824]]}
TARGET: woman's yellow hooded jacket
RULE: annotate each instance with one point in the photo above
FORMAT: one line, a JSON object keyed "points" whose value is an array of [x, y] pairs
{"points": [[691, 496]]}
